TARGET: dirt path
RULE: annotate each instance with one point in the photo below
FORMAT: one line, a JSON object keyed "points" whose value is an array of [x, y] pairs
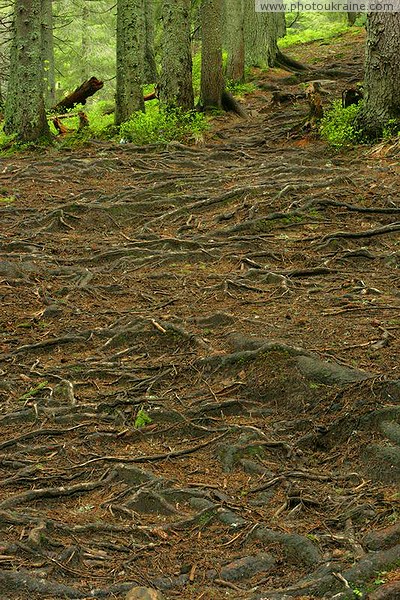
{"points": [[243, 299]]}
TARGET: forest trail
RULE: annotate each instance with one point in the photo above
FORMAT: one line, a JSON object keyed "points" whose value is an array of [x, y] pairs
{"points": [[240, 302]]}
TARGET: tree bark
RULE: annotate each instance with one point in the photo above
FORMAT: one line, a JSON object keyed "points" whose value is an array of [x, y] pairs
{"points": [[84, 57], [176, 88], [48, 53], [25, 113], [234, 31], [261, 34], [352, 17], [382, 73], [212, 80], [149, 62], [130, 30]]}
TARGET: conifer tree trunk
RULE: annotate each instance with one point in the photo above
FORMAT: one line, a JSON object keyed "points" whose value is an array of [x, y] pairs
{"points": [[24, 112], [234, 31], [261, 34], [149, 61], [176, 88], [130, 28], [212, 80], [84, 57], [382, 72], [48, 54]]}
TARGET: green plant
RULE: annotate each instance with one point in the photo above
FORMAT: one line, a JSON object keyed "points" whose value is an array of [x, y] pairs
{"points": [[380, 580], [163, 126], [338, 126], [310, 26], [239, 88], [34, 391], [391, 129], [142, 419]]}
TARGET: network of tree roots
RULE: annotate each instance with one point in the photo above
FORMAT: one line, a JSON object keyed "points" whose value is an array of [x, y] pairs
{"points": [[200, 364]]}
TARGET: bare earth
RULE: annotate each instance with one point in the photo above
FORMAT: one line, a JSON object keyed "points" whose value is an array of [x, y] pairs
{"points": [[243, 295]]}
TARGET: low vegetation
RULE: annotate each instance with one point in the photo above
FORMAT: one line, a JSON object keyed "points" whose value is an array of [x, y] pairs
{"points": [[339, 125]]}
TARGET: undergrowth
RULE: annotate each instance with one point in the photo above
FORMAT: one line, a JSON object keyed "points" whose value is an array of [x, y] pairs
{"points": [[160, 126], [338, 126], [306, 27]]}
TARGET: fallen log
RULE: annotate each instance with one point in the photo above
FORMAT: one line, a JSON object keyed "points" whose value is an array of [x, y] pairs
{"points": [[80, 95]]}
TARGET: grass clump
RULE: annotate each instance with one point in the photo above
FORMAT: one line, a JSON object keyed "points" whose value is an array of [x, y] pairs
{"points": [[158, 127], [338, 126]]}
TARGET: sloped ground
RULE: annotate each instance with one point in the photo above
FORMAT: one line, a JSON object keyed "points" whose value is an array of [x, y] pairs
{"points": [[244, 296]]}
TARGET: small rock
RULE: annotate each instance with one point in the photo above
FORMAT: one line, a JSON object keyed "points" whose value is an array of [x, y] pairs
{"points": [[246, 567], [383, 538], [144, 593], [53, 310], [63, 393], [383, 462], [9, 271], [253, 467], [388, 591]]}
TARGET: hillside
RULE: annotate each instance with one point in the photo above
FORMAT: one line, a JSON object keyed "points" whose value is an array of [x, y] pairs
{"points": [[200, 361]]}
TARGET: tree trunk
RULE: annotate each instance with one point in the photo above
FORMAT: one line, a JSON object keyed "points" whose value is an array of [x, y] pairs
{"points": [[276, 28], [25, 113], [212, 80], [130, 28], [149, 62], [176, 88], [48, 53], [382, 73], [234, 31], [261, 34], [351, 18], [84, 57]]}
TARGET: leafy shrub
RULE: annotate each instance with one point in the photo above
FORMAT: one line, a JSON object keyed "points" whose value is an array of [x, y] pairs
{"points": [[142, 419], [338, 126], [157, 127], [391, 129]]}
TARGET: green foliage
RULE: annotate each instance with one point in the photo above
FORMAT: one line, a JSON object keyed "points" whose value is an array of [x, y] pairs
{"points": [[391, 129], [101, 125], [239, 88], [5, 140], [142, 419], [196, 73], [162, 126], [310, 26], [84, 44], [338, 126]]}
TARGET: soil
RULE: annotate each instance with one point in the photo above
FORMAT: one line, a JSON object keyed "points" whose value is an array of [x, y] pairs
{"points": [[200, 384]]}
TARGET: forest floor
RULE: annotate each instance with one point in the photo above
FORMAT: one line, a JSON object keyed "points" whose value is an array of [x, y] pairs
{"points": [[240, 300]]}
